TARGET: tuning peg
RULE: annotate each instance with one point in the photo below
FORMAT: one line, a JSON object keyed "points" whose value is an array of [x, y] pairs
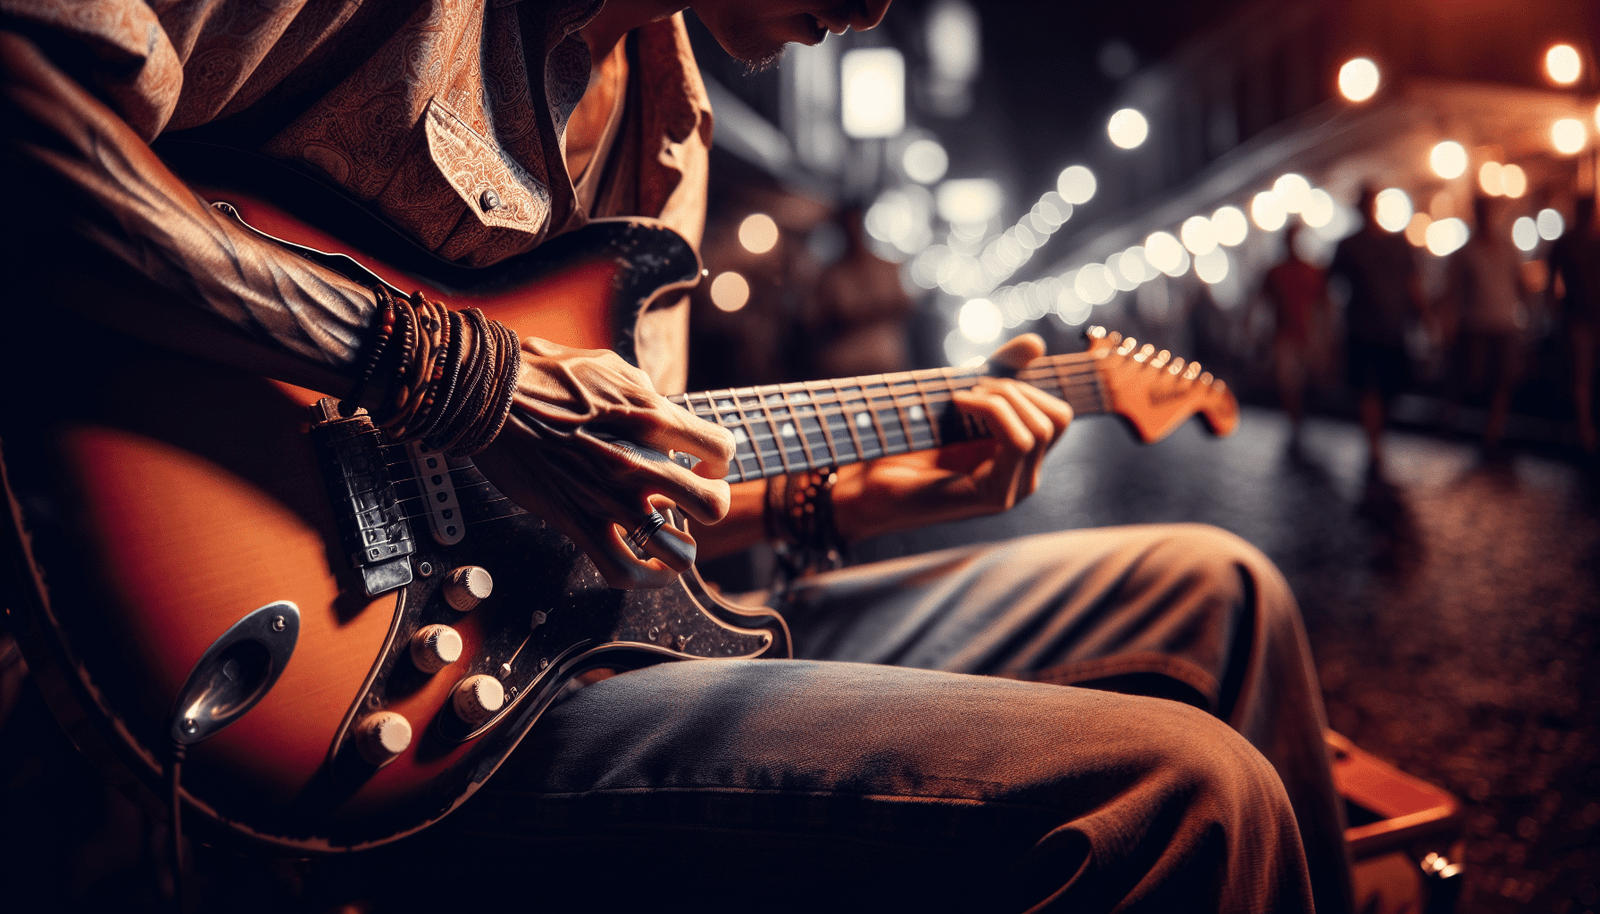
{"points": [[1176, 367], [1206, 378], [1221, 385], [1192, 372], [1161, 359], [1127, 346], [1095, 332], [1145, 353]]}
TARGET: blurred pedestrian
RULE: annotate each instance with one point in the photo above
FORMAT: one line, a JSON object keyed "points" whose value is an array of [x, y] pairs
{"points": [[1385, 295], [1575, 285], [1486, 291], [1298, 295]]}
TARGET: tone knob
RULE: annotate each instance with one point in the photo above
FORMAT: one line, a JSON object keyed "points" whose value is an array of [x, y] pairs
{"points": [[435, 647], [381, 737], [467, 586], [478, 698]]}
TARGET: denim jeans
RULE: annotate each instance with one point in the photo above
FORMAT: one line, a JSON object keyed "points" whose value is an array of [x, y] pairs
{"points": [[934, 747]]}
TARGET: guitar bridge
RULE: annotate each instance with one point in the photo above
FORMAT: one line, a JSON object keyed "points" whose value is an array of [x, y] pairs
{"points": [[372, 526]]}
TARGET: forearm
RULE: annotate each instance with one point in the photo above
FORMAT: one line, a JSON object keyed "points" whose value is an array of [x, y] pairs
{"points": [[96, 223]]}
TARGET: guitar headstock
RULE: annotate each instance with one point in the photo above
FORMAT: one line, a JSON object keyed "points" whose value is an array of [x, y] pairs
{"points": [[1155, 391]]}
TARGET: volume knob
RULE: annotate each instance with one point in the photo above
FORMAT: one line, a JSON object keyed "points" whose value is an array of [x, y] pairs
{"points": [[435, 647], [382, 737], [467, 586], [478, 698]]}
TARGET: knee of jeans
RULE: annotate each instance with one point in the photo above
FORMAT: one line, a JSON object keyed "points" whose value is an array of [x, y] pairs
{"points": [[1210, 767], [1230, 569]]}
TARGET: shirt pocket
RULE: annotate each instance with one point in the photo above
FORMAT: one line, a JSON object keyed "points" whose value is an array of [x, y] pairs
{"points": [[495, 189]]}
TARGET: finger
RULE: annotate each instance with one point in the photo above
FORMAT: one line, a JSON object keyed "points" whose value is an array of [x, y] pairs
{"points": [[1057, 410], [680, 430], [1028, 410], [617, 563], [1011, 436], [1018, 351], [650, 473]]}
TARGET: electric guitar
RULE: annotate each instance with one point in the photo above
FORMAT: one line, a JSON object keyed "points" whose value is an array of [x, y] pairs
{"points": [[348, 634]]}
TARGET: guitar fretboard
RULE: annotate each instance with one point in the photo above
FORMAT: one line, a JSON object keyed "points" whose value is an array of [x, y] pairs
{"points": [[792, 428]]}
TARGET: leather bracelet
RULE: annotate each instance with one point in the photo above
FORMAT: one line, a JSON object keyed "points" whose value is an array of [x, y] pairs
{"points": [[799, 523]]}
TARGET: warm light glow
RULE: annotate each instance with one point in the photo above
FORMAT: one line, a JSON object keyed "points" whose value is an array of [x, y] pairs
{"points": [[1491, 178], [1293, 191], [1127, 128], [1132, 264], [1164, 253], [1267, 211], [1446, 236], [1394, 209], [730, 292], [1442, 205], [1568, 135], [1076, 185], [980, 321], [1318, 210], [1550, 224], [758, 233], [872, 92], [1198, 235], [1358, 79], [925, 161], [1231, 226], [966, 201], [1094, 284], [1449, 159], [1563, 65], [1417, 229], [1212, 267], [1514, 180], [1525, 234]]}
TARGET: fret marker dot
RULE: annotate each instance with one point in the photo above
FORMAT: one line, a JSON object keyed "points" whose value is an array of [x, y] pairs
{"points": [[788, 430], [916, 414], [863, 420], [725, 404], [739, 436], [799, 396], [775, 398]]}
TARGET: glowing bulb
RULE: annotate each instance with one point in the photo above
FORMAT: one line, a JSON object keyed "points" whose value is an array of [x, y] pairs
{"points": [[1449, 159], [1318, 210], [1212, 267], [1231, 226], [1164, 253], [1525, 234], [925, 161], [1198, 235], [1514, 180], [758, 233], [1267, 210], [1563, 64], [1492, 178], [730, 292], [1394, 209], [980, 320], [1076, 185], [1550, 224], [1446, 236], [1127, 128], [1568, 135], [1294, 191], [1358, 79]]}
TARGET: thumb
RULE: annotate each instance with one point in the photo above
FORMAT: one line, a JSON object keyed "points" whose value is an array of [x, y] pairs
{"points": [[1018, 351]]}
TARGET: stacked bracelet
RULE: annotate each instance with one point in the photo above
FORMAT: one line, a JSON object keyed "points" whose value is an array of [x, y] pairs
{"points": [[800, 524], [449, 376]]}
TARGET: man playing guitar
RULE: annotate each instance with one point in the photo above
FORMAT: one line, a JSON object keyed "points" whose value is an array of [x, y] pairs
{"points": [[932, 744]]}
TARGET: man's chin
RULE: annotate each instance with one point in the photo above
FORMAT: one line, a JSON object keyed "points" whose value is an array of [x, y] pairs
{"points": [[754, 65]]}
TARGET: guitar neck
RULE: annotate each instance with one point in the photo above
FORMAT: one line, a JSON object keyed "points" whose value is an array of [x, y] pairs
{"points": [[792, 428]]}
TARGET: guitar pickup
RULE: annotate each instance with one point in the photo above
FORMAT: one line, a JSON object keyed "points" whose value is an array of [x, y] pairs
{"points": [[372, 526]]}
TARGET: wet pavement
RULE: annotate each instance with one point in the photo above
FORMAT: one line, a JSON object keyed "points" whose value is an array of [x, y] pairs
{"points": [[1453, 610]]}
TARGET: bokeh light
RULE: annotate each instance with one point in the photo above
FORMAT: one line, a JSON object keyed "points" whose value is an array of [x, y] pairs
{"points": [[1127, 128], [1358, 79], [1293, 191], [1550, 224], [1164, 253], [1212, 266], [872, 92], [1446, 236], [730, 291], [1267, 211], [1094, 284], [1231, 226], [1491, 178], [1524, 233], [1393, 207], [1076, 185], [1568, 135], [1318, 210], [925, 161], [1417, 229], [1448, 159], [758, 233], [980, 321], [1198, 235], [1514, 180], [1562, 64]]}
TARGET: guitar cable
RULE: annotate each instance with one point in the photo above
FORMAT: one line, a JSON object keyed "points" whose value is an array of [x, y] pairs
{"points": [[175, 826]]}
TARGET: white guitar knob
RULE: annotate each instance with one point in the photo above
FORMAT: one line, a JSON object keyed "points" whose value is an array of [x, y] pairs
{"points": [[435, 647], [381, 737], [478, 698], [467, 586]]}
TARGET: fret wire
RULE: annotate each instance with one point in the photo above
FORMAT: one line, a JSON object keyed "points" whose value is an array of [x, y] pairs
{"points": [[877, 422], [905, 425], [850, 424], [766, 410], [827, 434], [927, 413], [799, 425]]}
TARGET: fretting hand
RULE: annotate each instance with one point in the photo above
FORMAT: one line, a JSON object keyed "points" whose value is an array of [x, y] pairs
{"points": [[558, 456]]}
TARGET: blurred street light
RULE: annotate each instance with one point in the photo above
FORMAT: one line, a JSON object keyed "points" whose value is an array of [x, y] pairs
{"points": [[873, 92], [1231, 226], [1076, 185], [758, 233], [1562, 64], [1525, 234], [1358, 79], [1198, 235], [1568, 135], [730, 291], [1514, 180], [1449, 159], [925, 161], [1446, 236], [1550, 224], [1128, 128], [1267, 211], [1491, 178], [1293, 191], [1394, 209], [968, 201], [980, 320]]}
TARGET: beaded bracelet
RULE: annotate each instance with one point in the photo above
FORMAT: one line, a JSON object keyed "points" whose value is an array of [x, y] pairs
{"points": [[799, 522]]}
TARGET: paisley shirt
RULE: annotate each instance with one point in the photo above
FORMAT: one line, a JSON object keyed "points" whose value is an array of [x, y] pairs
{"points": [[448, 117]]}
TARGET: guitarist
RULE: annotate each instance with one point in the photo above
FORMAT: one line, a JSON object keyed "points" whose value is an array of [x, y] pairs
{"points": [[480, 130]]}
